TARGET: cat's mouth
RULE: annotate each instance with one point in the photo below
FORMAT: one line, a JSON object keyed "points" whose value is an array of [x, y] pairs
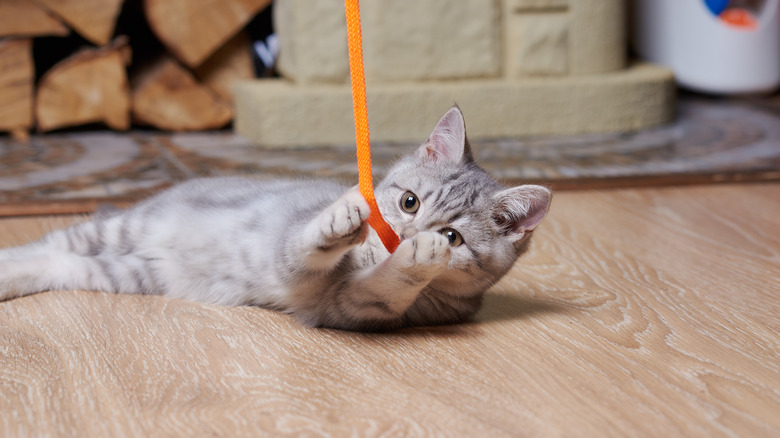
{"points": [[406, 233]]}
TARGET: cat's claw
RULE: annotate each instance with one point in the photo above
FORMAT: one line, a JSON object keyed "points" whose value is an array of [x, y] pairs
{"points": [[425, 255], [344, 222]]}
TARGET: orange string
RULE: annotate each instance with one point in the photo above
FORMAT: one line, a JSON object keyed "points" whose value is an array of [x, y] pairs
{"points": [[365, 181]]}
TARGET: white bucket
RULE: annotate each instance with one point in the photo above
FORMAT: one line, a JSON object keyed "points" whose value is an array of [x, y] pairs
{"points": [[706, 52]]}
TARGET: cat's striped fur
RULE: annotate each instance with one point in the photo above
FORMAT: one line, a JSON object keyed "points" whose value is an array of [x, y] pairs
{"points": [[303, 247]]}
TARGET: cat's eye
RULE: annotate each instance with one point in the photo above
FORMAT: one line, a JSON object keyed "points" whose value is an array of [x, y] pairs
{"points": [[410, 203], [453, 236]]}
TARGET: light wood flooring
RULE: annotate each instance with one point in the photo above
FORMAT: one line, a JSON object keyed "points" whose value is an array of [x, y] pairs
{"points": [[647, 312]]}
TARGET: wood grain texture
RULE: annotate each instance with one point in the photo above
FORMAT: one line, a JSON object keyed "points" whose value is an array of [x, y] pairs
{"points": [[231, 63], [17, 75], [89, 86], [25, 18], [167, 96], [93, 19], [194, 29], [645, 312]]}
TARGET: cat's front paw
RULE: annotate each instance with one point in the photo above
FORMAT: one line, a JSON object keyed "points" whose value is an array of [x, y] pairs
{"points": [[425, 255], [343, 223]]}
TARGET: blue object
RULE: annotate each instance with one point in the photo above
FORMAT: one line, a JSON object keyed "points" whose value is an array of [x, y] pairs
{"points": [[717, 6]]}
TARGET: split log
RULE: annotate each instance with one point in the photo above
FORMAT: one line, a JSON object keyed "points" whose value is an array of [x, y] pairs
{"points": [[93, 19], [167, 96], [17, 75], [232, 62], [87, 87], [194, 29], [24, 18]]}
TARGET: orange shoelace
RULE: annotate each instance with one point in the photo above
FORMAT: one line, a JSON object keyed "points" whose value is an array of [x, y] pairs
{"points": [[365, 180]]}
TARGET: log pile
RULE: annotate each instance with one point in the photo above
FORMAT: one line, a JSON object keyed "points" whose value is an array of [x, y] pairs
{"points": [[182, 84]]}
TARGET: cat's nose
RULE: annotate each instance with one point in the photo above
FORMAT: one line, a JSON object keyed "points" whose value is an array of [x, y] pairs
{"points": [[407, 233]]}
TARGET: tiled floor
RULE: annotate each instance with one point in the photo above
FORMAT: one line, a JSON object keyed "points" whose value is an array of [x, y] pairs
{"points": [[712, 140]]}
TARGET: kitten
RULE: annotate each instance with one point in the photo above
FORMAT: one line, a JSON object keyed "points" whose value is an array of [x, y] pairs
{"points": [[304, 247]]}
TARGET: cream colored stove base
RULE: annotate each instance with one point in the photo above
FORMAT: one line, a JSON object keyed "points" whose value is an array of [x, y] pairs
{"points": [[280, 113]]}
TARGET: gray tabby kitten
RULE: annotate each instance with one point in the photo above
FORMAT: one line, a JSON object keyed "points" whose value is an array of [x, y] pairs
{"points": [[304, 247]]}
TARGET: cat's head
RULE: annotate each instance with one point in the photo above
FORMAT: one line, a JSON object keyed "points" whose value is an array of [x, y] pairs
{"points": [[440, 188]]}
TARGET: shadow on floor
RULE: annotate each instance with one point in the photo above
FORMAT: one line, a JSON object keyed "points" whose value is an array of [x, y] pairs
{"points": [[495, 308], [504, 307]]}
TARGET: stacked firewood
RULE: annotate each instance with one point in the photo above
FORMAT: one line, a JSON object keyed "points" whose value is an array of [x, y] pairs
{"points": [[184, 86]]}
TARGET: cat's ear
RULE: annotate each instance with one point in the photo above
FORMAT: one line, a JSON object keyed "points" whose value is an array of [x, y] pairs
{"points": [[520, 209], [448, 140]]}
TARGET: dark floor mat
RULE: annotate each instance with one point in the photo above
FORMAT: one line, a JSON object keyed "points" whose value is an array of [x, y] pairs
{"points": [[712, 140]]}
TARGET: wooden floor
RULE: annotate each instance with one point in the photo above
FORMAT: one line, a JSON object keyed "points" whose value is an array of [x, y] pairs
{"points": [[652, 312]]}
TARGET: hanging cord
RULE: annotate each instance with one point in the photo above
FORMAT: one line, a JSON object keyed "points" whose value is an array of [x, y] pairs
{"points": [[359, 106]]}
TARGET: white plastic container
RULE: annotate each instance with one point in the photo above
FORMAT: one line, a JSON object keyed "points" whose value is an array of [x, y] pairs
{"points": [[707, 53]]}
